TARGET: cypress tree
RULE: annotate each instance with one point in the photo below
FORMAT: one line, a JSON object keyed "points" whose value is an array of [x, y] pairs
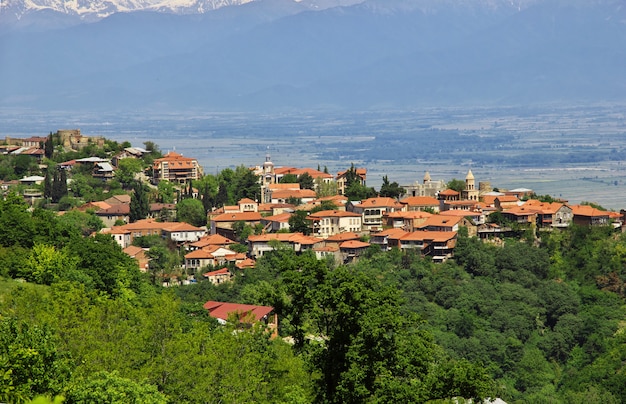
{"points": [[62, 183], [139, 206], [56, 192], [49, 147], [47, 185]]}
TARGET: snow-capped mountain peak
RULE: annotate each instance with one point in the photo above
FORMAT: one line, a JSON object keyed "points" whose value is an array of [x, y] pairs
{"points": [[96, 9]]}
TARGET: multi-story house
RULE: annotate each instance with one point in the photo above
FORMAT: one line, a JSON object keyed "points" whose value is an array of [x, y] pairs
{"points": [[551, 214], [439, 245], [223, 223], [373, 210], [179, 232], [421, 203], [408, 221], [326, 223], [382, 238], [441, 223], [176, 168], [303, 195], [585, 215], [524, 215], [212, 256], [275, 223], [260, 244]]}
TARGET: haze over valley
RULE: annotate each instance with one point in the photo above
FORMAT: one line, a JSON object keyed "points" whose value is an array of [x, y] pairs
{"points": [[526, 93]]}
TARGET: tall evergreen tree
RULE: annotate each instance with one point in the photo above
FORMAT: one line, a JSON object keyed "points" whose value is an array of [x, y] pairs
{"points": [[49, 147], [306, 181], [59, 186], [47, 185], [139, 206], [63, 183], [207, 199], [222, 194]]}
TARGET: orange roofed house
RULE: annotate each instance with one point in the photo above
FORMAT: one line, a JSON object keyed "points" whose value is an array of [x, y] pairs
{"points": [[436, 244], [176, 168], [247, 314], [260, 244], [373, 210], [330, 222]]}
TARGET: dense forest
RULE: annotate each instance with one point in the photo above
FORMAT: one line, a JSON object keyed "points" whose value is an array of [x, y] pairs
{"points": [[532, 320]]}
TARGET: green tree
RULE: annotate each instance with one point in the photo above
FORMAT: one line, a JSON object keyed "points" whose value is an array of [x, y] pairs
{"points": [[299, 222], [110, 388], [16, 223], [325, 188], [59, 185], [49, 147], [127, 170], [306, 181], [80, 223], [295, 201], [379, 354], [289, 179], [245, 185], [324, 205], [208, 188], [47, 185], [23, 165], [191, 211], [391, 190], [139, 206], [165, 191], [222, 194], [46, 264], [242, 230], [358, 192], [104, 266], [30, 363], [456, 185]]}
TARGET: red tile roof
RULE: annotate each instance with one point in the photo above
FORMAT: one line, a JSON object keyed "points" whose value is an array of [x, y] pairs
{"points": [[420, 201], [222, 310], [222, 271], [283, 186], [343, 237], [586, 210], [449, 192], [381, 201], [284, 237], [280, 218], [237, 216], [413, 214], [436, 236], [442, 221], [175, 160], [332, 213], [353, 244], [293, 193], [389, 232], [246, 263], [213, 239]]}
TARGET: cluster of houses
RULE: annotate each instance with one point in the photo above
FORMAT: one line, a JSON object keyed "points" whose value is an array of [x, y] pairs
{"points": [[426, 224], [426, 219]]}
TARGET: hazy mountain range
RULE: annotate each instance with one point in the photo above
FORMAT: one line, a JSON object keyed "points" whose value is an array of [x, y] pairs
{"points": [[309, 54]]}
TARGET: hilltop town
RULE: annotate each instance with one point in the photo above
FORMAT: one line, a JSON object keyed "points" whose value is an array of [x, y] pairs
{"points": [[232, 219], [128, 271]]}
